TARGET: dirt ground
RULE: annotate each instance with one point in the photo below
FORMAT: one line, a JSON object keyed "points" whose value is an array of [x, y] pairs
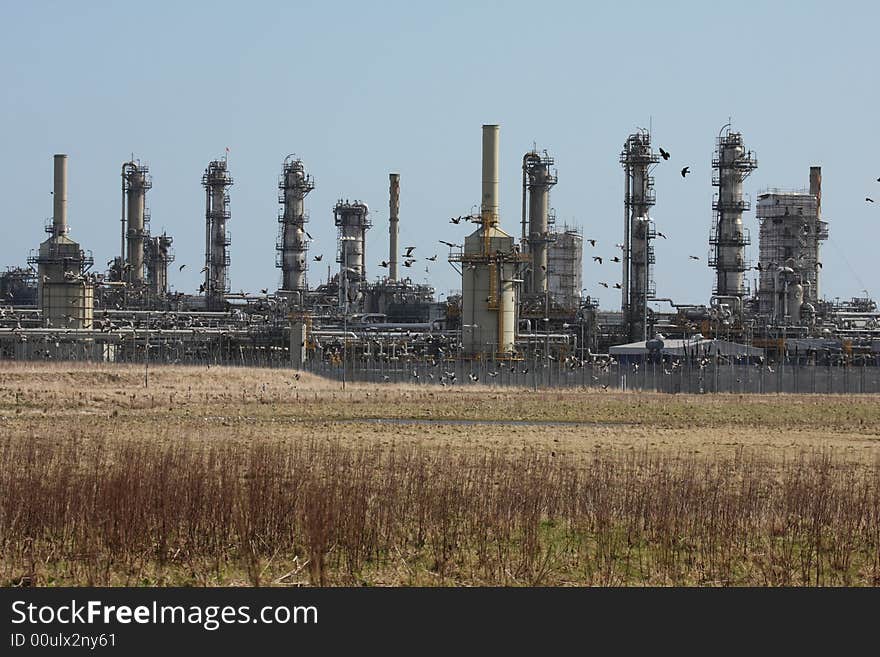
{"points": [[219, 403]]}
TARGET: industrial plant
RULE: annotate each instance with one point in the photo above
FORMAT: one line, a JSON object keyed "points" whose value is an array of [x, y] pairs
{"points": [[521, 297]]}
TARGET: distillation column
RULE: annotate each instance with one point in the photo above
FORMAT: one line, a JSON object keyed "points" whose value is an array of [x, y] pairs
{"points": [[540, 178], [216, 181], [637, 159], [732, 164], [135, 183], [352, 221], [293, 245], [393, 223]]}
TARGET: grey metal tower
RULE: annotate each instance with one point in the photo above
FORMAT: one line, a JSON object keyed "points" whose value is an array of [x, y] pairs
{"points": [[135, 220], [293, 245], [637, 285], [732, 164], [539, 178], [216, 181]]}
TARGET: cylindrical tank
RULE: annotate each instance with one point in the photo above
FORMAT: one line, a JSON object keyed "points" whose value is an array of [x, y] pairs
{"points": [[393, 219], [541, 179], [137, 189], [507, 308], [730, 225], [491, 157], [295, 186], [59, 219]]}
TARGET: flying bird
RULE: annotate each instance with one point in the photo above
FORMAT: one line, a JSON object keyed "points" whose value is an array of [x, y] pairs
{"points": [[618, 286], [408, 263], [603, 284], [664, 154], [455, 220], [181, 267], [432, 258], [307, 234], [592, 242], [659, 234], [265, 290], [685, 171], [869, 199], [620, 246], [204, 269], [450, 244], [409, 251], [694, 257], [597, 259], [383, 264], [318, 257], [615, 259]]}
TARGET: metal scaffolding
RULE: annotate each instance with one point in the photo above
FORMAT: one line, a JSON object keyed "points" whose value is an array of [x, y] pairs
{"points": [[565, 264]]}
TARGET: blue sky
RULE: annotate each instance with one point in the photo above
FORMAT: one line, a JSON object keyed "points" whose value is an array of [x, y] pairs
{"points": [[361, 89]]}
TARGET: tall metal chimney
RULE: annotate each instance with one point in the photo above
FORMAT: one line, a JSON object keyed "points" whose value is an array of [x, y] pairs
{"points": [[489, 205], [393, 220], [816, 188], [820, 230], [59, 218]]}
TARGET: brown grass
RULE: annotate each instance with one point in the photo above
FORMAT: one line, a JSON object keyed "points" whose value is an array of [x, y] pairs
{"points": [[241, 476]]}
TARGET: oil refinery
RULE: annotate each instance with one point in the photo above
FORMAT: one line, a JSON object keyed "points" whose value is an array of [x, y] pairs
{"points": [[521, 297]]}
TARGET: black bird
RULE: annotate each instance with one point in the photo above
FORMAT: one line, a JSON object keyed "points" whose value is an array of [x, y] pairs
{"points": [[409, 251], [878, 179], [181, 267], [307, 235], [455, 220], [202, 287], [759, 267], [615, 259], [694, 257], [383, 264], [265, 290], [592, 242], [685, 171], [603, 284], [408, 263], [869, 199], [618, 286], [659, 234], [597, 259], [432, 258], [318, 257], [450, 244], [664, 154]]}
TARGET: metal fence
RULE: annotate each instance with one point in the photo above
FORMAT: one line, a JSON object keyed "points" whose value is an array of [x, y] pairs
{"points": [[681, 376]]}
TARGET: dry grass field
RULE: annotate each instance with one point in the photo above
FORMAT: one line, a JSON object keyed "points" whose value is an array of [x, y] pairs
{"points": [[222, 476]]}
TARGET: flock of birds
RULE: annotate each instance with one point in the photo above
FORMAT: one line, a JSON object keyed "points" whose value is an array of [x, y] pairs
{"points": [[598, 364]]}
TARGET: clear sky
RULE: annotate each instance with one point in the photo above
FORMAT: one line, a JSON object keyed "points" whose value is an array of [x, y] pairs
{"points": [[359, 89]]}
